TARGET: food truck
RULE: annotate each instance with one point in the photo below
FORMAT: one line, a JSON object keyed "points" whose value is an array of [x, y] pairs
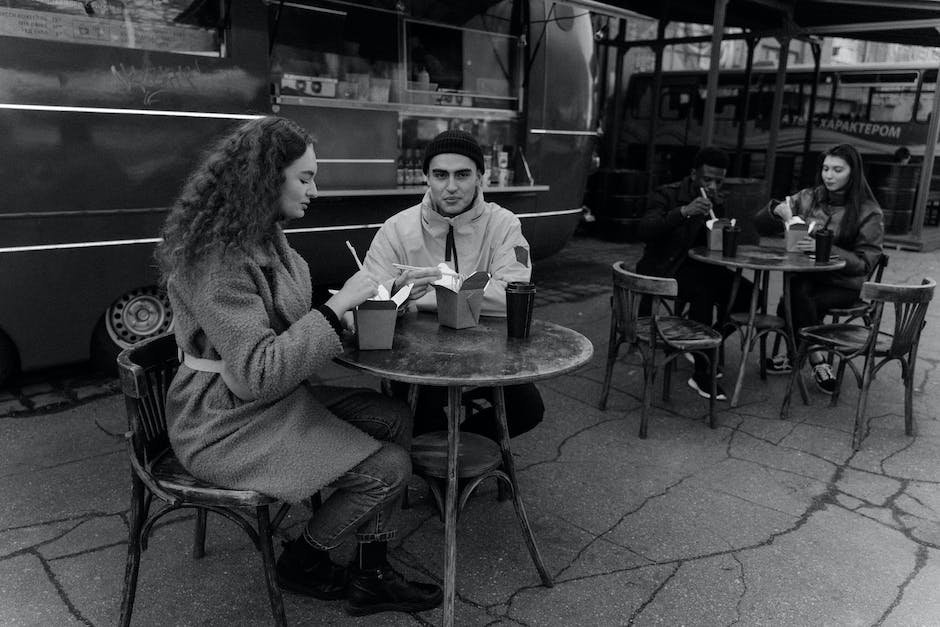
{"points": [[106, 105]]}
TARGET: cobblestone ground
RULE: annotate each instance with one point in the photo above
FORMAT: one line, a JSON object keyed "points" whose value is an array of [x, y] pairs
{"points": [[759, 521]]}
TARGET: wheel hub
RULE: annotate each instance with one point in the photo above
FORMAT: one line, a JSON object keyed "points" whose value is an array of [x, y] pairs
{"points": [[138, 314]]}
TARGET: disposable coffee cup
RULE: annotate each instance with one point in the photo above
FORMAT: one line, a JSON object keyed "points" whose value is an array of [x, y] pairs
{"points": [[729, 241], [520, 299], [823, 245]]}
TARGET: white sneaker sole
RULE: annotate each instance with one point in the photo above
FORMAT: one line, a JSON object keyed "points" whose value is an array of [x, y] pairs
{"points": [[720, 396], [691, 360]]}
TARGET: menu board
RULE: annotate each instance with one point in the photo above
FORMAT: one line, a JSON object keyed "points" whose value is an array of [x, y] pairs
{"points": [[128, 28]]}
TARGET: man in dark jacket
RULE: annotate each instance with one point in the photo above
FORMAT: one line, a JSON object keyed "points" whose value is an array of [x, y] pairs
{"points": [[674, 223]]}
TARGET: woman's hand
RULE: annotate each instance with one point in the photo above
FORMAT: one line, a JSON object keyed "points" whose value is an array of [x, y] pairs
{"points": [[422, 278], [806, 245], [357, 289]]}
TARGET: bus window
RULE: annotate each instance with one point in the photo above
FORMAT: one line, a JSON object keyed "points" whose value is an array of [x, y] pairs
{"points": [[676, 103], [851, 103], [892, 106], [925, 105], [823, 98], [875, 96], [726, 104], [792, 112], [639, 96]]}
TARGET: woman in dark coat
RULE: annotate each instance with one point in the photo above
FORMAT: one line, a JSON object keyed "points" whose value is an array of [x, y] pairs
{"points": [[842, 202], [242, 411]]}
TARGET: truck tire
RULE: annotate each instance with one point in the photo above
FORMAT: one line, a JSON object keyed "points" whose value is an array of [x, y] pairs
{"points": [[137, 315]]}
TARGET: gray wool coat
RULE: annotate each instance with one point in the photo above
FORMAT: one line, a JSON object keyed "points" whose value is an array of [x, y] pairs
{"points": [[254, 312]]}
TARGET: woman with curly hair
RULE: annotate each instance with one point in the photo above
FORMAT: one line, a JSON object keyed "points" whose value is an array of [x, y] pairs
{"points": [[842, 202], [242, 411]]}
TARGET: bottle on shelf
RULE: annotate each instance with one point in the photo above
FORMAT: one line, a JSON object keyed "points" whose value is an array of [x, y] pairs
{"points": [[408, 171], [424, 79], [487, 165], [400, 169], [417, 176]]}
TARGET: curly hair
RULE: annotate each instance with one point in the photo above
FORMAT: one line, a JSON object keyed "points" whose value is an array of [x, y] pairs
{"points": [[230, 201]]}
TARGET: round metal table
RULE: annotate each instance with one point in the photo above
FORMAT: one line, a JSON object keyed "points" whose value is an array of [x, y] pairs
{"points": [[425, 353], [763, 260]]}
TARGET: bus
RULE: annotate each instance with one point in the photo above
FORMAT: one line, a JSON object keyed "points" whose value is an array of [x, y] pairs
{"points": [[876, 107], [105, 106]]}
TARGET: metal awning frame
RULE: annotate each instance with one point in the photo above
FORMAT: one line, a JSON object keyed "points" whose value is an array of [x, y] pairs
{"points": [[787, 31]]}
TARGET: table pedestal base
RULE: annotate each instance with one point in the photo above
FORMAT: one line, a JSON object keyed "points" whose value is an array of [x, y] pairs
{"points": [[476, 457]]}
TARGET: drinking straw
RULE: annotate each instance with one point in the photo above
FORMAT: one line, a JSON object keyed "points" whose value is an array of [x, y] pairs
{"points": [[355, 256], [402, 266]]}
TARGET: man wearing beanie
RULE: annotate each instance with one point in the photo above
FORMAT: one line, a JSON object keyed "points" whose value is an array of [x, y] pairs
{"points": [[455, 225]]}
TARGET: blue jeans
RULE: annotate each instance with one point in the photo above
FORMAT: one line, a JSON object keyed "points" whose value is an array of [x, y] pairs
{"points": [[366, 496]]}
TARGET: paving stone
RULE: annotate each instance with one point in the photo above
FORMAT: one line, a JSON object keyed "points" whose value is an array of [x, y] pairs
{"points": [[14, 540], [34, 389], [93, 533], [49, 400], [11, 406], [28, 597], [93, 390]]}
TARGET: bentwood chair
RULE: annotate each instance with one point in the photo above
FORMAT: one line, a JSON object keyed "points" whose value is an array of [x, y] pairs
{"points": [[874, 346], [858, 309], [672, 335], [146, 370]]}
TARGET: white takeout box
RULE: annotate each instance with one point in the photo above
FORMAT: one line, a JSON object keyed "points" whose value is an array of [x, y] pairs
{"points": [[715, 227], [797, 229]]}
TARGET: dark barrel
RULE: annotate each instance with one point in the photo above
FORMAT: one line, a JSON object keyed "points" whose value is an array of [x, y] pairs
{"points": [[895, 188], [617, 198]]}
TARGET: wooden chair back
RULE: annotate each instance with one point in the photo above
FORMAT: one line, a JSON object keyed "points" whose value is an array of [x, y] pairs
{"points": [[910, 308], [630, 289], [146, 370]]}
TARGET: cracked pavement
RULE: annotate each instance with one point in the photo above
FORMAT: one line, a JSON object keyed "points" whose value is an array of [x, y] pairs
{"points": [[757, 522]]}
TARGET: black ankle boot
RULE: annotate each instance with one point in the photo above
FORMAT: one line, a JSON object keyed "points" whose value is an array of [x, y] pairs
{"points": [[384, 590], [305, 570]]}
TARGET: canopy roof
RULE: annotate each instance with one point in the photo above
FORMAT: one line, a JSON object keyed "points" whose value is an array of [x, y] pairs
{"points": [[912, 22]]}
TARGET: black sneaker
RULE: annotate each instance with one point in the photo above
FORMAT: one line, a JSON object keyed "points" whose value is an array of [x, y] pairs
{"points": [[778, 364], [701, 384], [301, 570], [384, 590], [825, 380]]}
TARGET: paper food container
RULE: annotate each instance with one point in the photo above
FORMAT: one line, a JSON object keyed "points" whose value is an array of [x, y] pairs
{"points": [[715, 227], [375, 319], [795, 232], [459, 302]]}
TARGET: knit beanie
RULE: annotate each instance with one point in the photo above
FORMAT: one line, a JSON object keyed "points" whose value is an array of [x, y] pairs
{"points": [[455, 142]]}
